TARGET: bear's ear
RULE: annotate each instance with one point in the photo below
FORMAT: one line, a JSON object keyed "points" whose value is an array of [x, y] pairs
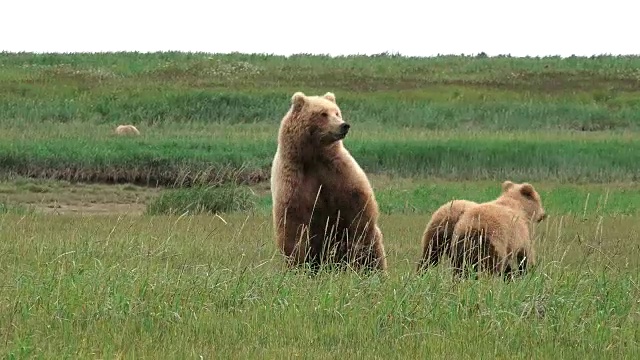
{"points": [[330, 96], [507, 185], [527, 190], [298, 100]]}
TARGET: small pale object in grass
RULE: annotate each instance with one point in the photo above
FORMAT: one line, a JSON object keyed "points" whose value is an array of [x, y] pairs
{"points": [[127, 130]]}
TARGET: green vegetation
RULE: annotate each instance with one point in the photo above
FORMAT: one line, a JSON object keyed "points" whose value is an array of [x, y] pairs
{"points": [[200, 199], [217, 115], [164, 285], [169, 287], [409, 196], [12, 208], [395, 196], [180, 160], [424, 197]]}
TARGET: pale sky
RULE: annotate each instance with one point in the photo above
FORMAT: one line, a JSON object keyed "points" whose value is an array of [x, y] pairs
{"points": [[543, 27]]}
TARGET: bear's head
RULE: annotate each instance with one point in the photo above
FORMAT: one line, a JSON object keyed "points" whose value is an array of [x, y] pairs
{"points": [[526, 198], [315, 120]]}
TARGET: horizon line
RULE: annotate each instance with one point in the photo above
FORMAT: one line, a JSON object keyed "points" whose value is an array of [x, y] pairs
{"points": [[481, 54]]}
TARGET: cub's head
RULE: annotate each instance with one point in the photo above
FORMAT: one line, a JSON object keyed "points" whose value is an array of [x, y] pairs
{"points": [[317, 119], [527, 199]]}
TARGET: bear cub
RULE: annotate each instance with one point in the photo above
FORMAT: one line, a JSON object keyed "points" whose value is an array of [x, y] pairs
{"points": [[436, 238], [491, 236]]}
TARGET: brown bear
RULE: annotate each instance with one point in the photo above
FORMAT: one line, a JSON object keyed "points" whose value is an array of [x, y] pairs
{"points": [[489, 236], [324, 209], [436, 238], [127, 130]]}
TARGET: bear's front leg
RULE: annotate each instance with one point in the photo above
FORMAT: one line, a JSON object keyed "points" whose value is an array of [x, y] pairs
{"points": [[293, 239], [370, 253], [525, 259]]}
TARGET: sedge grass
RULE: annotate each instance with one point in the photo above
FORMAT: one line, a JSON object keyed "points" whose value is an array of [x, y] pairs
{"points": [[168, 286], [227, 153]]}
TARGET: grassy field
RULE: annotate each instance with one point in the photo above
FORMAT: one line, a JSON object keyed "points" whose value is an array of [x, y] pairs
{"points": [[216, 116], [151, 287], [143, 247]]}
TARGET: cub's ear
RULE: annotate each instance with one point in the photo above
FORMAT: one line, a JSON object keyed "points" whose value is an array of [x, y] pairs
{"points": [[330, 96], [527, 190], [298, 100], [507, 185]]}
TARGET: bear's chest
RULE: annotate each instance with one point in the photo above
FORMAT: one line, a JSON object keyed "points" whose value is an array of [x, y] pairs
{"points": [[332, 197]]}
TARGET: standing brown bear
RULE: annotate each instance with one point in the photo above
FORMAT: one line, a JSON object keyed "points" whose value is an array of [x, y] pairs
{"points": [[436, 239], [324, 209], [490, 236]]}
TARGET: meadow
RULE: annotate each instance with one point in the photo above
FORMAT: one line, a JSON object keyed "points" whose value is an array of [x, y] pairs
{"points": [[161, 245]]}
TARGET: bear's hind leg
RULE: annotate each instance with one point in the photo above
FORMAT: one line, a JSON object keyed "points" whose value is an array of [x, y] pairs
{"points": [[378, 252], [464, 259], [434, 248], [507, 273], [524, 261], [371, 256]]}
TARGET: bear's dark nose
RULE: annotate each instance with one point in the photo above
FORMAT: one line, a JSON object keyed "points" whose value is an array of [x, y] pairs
{"points": [[344, 128]]}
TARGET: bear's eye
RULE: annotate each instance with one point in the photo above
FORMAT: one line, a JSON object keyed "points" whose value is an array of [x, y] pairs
{"points": [[324, 114]]}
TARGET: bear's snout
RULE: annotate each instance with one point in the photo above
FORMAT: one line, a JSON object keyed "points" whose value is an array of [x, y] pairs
{"points": [[344, 128]]}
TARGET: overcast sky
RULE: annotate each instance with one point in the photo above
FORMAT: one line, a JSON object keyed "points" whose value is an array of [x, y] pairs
{"points": [[519, 28]]}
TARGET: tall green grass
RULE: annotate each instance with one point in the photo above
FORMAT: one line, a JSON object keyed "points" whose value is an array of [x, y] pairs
{"points": [[215, 117], [423, 196], [6, 208], [229, 153], [201, 199], [440, 93], [484, 110], [585, 201], [158, 287]]}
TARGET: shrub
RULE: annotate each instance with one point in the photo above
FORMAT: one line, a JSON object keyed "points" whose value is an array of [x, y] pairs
{"points": [[201, 199], [13, 209]]}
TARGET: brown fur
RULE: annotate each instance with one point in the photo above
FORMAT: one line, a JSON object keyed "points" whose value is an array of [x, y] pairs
{"points": [[324, 209], [436, 238], [127, 130], [491, 235]]}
